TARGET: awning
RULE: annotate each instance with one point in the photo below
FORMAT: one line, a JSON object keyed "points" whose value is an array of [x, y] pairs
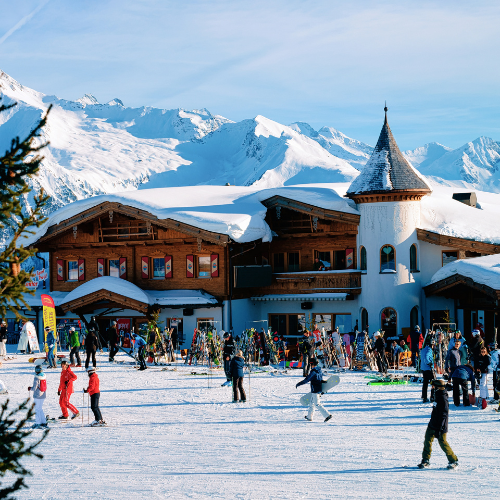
{"points": [[303, 297], [181, 298]]}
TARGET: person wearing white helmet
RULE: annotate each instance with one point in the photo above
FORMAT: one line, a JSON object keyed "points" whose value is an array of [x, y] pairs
{"points": [[74, 343], [39, 389]]}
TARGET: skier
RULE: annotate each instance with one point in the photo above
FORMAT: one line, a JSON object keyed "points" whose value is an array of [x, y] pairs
{"points": [[475, 346], [481, 365], [140, 345], [379, 348], [427, 368], [416, 340], [438, 427], [74, 342], [93, 391], [456, 336], [306, 348], [65, 390], [91, 342], [3, 339], [236, 368], [113, 340], [461, 376], [227, 352], [495, 366], [315, 377], [39, 389], [453, 359], [50, 340]]}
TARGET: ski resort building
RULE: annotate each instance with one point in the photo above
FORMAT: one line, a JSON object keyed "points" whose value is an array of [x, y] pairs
{"points": [[387, 251]]}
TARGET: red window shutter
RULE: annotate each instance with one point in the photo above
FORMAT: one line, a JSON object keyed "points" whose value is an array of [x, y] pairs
{"points": [[189, 266], [214, 262], [123, 268], [145, 268], [168, 266], [349, 258], [60, 270], [81, 269], [100, 267]]}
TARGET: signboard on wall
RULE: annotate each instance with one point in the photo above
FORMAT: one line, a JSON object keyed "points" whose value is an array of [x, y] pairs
{"points": [[123, 329]]}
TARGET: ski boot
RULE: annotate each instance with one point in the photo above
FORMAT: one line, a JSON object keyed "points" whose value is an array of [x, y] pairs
{"points": [[75, 415], [95, 423], [424, 464], [328, 418], [62, 417], [425, 400], [453, 465], [308, 419]]}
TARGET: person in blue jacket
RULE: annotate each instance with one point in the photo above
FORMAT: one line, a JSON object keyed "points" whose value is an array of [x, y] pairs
{"points": [[427, 367], [236, 369], [50, 340], [461, 376], [140, 345], [315, 377]]}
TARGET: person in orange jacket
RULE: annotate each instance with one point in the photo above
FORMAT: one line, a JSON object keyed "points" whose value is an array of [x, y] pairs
{"points": [[94, 393], [65, 390]]}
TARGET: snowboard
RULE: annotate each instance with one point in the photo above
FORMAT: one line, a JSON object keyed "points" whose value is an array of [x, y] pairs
{"points": [[329, 384]]}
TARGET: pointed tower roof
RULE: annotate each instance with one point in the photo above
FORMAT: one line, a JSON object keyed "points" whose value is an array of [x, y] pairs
{"points": [[387, 176]]}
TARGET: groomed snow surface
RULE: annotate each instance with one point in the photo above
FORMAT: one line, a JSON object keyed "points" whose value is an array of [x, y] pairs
{"points": [[170, 435]]}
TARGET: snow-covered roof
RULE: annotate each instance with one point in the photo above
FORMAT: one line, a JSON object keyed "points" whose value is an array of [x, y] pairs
{"points": [[387, 169], [304, 297], [36, 300], [483, 270], [180, 297], [236, 211]]}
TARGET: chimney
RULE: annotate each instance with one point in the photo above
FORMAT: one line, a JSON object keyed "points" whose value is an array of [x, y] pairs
{"points": [[466, 198]]}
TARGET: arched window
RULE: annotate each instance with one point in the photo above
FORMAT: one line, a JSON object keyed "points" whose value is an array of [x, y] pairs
{"points": [[362, 258], [413, 258], [387, 259], [413, 318], [389, 322], [364, 319]]}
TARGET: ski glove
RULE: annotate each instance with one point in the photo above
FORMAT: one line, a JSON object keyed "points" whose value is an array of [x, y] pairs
{"points": [[85, 391], [66, 383], [58, 393], [296, 386]]}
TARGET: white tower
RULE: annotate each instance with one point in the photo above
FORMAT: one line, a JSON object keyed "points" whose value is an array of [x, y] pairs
{"points": [[387, 193]]}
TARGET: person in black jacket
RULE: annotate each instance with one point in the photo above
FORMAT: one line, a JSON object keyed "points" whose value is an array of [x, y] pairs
{"points": [[227, 353], [315, 377], [91, 343], [306, 347], [3, 338], [113, 340], [236, 368], [475, 346], [93, 325], [438, 427], [380, 351], [481, 365]]}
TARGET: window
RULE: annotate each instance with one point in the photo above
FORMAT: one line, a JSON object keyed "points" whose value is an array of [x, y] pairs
{"points": [[204, 267], [339, 259], [364, 319], [114, 267], [362, 258], [158, 268], [288, 325], [449, 256], [387, 259], [279, 262], [389, 322], [72, 270], [293, 261], [325, 258], [205, 323], [413, 259]]}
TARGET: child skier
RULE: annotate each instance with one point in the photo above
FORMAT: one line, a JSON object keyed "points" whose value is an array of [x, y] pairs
{"points": [[438, 427], [93, 391], [315, 377], [39, 389], [65, 390], [140, 345]]}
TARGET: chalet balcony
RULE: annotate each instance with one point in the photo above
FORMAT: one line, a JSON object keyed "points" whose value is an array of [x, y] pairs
{"points": [[343, 281]]}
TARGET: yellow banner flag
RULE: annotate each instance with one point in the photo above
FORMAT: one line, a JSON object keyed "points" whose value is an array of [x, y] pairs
{"points": [[49, 318]]}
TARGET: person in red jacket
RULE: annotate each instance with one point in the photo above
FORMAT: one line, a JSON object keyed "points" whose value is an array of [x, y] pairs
{"points": [[65, 390], [93, 391]]}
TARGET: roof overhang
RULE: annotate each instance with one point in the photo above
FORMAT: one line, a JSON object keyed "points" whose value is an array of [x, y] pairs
{"points": [[104, 299], [301, 297], [459, 243], [384, 196], [445, 286]]}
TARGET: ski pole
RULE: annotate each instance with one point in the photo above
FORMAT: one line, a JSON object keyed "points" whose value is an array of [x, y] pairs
{"points": [[88, 409]]}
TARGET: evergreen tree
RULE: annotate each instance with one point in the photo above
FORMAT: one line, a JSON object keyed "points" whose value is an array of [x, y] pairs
{"points": [[19, 163], [13, 447]]}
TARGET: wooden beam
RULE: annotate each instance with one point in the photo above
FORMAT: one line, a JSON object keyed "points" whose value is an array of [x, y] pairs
{"points": [[460, 243], [441, 286]]}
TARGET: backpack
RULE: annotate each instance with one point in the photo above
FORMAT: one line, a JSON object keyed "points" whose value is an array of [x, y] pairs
{"points": [[43, 385]]}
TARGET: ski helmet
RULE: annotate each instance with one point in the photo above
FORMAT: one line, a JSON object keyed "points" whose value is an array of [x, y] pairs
{"points": [[90, 371], [38, 369], [475, 333], [72, 329]]}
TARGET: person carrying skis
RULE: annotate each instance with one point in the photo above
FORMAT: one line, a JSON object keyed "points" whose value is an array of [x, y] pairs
{"points": [[74, 343], [495, 366], [481, 366], [50, 340], [227, 352], [438, 427], [65, 390], [315, 377], [236, 367], [306, 348], [427, 367], [140, 345], [93, 391], [39, 389], [91, 342], [461, 377]]}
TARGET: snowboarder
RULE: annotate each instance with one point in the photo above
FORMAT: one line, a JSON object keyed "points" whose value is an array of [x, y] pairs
{"points": [[74, 342], [227, 352], [236, 367], [3, 339], [50, 340], [438, 427], [39, 389], [93, 391], [91, 342], [427, 367], [481, 365], [495, 366], [306, 348], [140, 345], [461, 376], [65, 390], [315, 377]]}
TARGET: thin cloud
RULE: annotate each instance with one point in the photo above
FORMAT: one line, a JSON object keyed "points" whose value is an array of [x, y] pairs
{"points": [[22, 22]]}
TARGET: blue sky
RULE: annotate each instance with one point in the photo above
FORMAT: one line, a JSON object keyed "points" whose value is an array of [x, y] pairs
{"points": [[322, 62]]}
